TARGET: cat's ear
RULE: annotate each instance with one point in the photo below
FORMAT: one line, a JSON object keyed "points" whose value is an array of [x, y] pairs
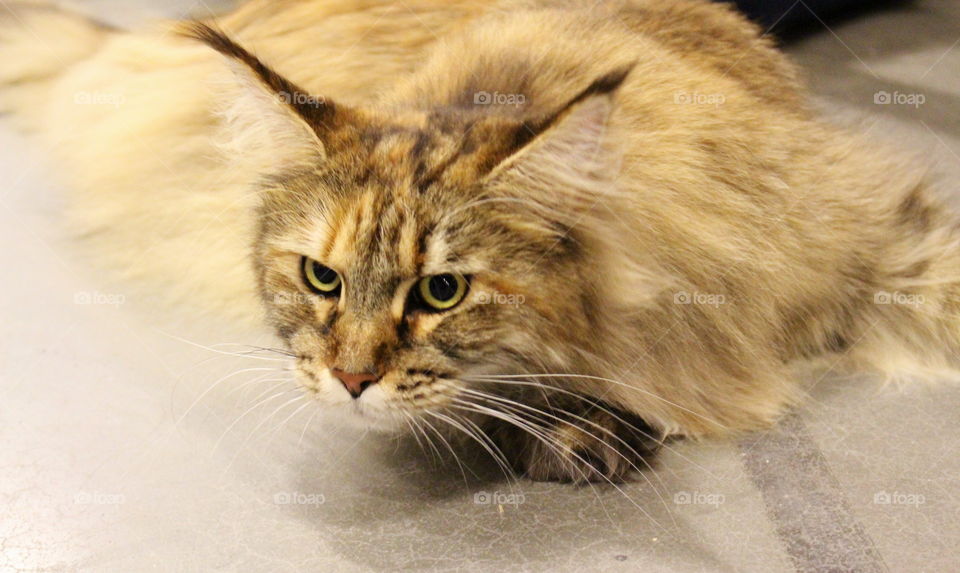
{"points": [[267, 113], [571, 152], [563, 182]]}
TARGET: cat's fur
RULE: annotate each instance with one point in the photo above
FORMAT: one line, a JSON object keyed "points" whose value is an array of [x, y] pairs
{"points": [[655, 234]]}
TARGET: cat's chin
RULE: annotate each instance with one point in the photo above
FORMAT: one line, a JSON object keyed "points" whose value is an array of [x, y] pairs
{"points": [[354, 417]]}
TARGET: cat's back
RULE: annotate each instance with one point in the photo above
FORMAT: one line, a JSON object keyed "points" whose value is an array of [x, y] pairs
{"points": [[536, 53]]}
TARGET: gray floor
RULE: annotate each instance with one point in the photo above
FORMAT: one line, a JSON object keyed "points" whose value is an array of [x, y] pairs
{"points": [[123, 448]]}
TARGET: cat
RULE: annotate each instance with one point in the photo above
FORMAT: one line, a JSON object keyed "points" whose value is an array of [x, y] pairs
{"points": [[569, 230]]}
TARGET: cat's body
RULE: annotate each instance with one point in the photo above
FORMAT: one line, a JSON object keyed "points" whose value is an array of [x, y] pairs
{"points": [[652, 225]]}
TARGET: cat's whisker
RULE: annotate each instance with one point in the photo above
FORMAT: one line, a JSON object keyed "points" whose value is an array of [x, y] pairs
{"points": [[258, 402], [272, 414], [536, 414], [545, 389], [661, 442], [183, 376], [258, 380], [470, 428], [252, 348], [283, 423], [558, 449], [514, 405], [273, 388], [212, 349], [537, 431], [609, 380], [306, 426], [541, 435], [435, 457], [210, 388], [452, 420], [515, 421], [456, 457], [260, 424], [408, 418]]}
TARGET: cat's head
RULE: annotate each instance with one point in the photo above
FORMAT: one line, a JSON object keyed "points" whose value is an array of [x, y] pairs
{"points": [[405, 254]]}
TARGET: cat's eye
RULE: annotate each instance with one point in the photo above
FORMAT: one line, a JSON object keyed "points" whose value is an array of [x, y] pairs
{"points": [[320, 278], [440, 292]]}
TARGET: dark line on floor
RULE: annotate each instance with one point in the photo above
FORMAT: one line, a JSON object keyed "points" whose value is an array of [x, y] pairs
{"points": [[806, 503]]}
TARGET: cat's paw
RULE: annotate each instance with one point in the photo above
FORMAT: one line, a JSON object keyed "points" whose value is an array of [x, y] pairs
{"points": [[594, 444]]}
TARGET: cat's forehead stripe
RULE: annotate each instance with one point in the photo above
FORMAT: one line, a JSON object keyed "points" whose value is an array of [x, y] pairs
{"points": [[414, 156], [400, 154], [409, 247], [374, 230], [339, 249], [363, 217]]}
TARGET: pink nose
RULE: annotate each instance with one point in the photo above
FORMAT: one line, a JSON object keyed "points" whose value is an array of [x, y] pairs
{"points": [[355, 383]]}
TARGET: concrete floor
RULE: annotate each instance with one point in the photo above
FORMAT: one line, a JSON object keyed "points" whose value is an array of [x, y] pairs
{"points": [[120, 451]]}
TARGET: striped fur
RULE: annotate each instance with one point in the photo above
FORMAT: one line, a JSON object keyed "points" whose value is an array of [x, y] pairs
{"points": [[655, 227]]}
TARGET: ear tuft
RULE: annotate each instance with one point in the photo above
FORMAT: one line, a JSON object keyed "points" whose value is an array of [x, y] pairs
{"points": [[216, 39], [269, 117], [318, 112]]}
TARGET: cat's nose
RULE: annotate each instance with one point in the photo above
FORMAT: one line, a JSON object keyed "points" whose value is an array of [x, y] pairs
{"points": [[355, 383]]}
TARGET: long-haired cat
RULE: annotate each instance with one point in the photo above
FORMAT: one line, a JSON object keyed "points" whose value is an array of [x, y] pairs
{"points": [[568, 229]]}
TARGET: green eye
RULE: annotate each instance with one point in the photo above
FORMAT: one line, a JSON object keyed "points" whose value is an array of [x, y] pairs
{"points": [[441, 292], [321, 279]]}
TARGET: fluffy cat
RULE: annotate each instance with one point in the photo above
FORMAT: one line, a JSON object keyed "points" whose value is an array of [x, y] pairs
{"points": [[567, 229]]}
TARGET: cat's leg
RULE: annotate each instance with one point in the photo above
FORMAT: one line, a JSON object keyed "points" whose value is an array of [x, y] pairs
{"points": [[574, 439]]}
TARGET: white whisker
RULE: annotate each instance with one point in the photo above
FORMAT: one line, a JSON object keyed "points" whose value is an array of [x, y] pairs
{"points": [[660, 441], [610, 380], [514, 404], [470, 428], [456, 458], [214, 385], [211, 349], [251, 409], [545, 439]]}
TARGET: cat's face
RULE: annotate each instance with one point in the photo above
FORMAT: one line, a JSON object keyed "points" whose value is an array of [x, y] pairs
{"points": [[404, 252], [401, 262]]}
